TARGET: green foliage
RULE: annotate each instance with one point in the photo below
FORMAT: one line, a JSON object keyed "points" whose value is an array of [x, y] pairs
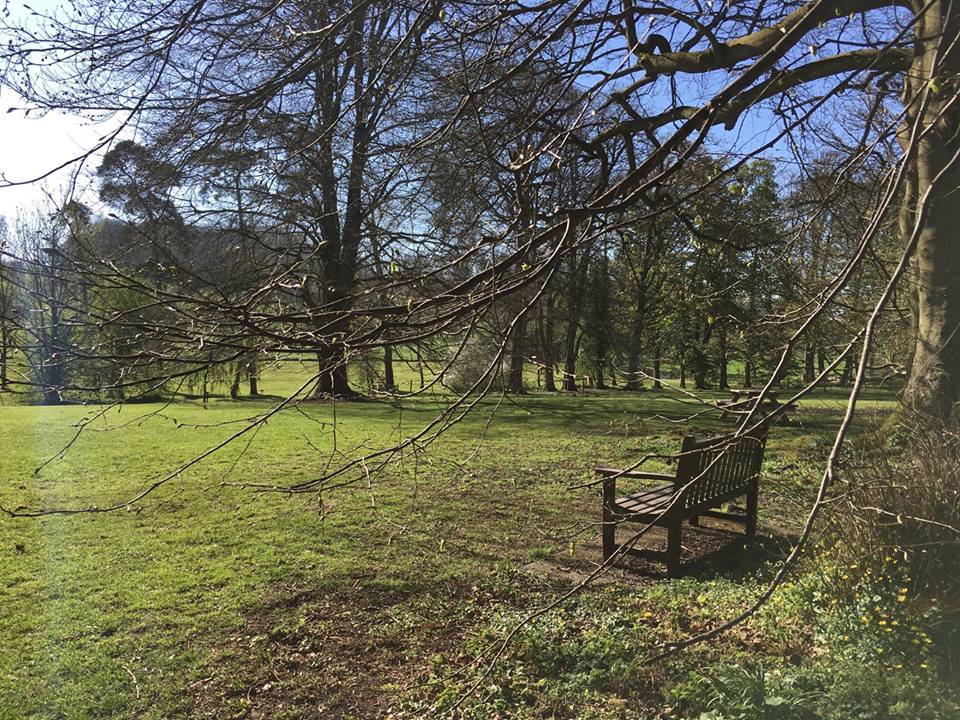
{"points": [[751, 693], [839, 690]]}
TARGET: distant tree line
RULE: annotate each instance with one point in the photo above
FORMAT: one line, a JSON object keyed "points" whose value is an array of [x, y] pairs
{"points": [[493, 187]]}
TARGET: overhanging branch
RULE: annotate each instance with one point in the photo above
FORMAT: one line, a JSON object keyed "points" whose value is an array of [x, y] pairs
{"points": [[727, 54], [887, 60]]}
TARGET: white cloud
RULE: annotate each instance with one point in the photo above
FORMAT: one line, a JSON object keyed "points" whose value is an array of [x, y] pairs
{"points": [[32, 145]]}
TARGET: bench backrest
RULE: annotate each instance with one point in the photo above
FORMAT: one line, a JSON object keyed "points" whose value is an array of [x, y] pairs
{"points": [[717, 469]]}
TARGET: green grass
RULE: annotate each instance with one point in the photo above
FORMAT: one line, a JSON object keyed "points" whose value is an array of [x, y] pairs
{"points": [[207, 599]]}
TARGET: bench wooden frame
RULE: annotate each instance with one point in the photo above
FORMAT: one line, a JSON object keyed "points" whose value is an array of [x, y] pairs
{"points": [[709, 473], [742, 401]]}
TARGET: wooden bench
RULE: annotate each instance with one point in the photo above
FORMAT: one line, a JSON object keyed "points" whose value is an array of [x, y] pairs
{"points": [[742, 401], [709, 473]]}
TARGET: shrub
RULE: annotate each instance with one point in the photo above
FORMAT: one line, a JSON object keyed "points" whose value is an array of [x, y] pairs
{"points": [[899, 497], [473, 362]]}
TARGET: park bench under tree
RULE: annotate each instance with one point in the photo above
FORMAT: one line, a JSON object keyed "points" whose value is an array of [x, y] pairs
{"points": [[742, 401], [710, 472]]}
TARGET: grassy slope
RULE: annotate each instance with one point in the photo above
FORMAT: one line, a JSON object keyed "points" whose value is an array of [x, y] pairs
{"points": [[148, 613]]}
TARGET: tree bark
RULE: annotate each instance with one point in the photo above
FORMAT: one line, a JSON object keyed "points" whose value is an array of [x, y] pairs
{"points": [[252, 372], [332, 379], [809, 357], [849, 367], [633, 357], [580, 265], [570, 357], [545, 336], [388, 381], [235, 382], [518, 352], [933, 386]]}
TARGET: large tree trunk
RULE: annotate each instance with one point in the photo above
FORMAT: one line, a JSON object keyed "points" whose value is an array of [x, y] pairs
{"points": [[598, 322], [388, 381], [634, 381], [700, 360], [545, 336], [933, 385], [570, 356], [633, 364], [576, 291], [235, 382], [337, 281], [332, 379], [252, 371], [809, 357], [849, 367], [518, 353], [700, 374]]}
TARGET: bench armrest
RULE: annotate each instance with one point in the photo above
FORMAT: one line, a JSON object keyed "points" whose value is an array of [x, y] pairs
{"points": [[608, 471]]}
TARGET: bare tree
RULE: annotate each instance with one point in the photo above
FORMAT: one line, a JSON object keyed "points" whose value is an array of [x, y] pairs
{"points": [[335, 110]]}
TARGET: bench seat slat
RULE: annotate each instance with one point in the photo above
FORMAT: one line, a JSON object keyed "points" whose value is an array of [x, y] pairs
{"points": [[651, 501]]}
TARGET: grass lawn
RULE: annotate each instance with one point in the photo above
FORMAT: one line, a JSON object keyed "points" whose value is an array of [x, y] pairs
{"points": [[209, 600]]}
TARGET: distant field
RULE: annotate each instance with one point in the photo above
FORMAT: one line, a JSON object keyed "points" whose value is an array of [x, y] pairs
{"points": [[210, 600]]}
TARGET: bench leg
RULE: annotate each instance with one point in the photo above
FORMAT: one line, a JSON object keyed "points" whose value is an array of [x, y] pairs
{"points": [[608, 519], [673, 549], [695, 520], [752, 502]]}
